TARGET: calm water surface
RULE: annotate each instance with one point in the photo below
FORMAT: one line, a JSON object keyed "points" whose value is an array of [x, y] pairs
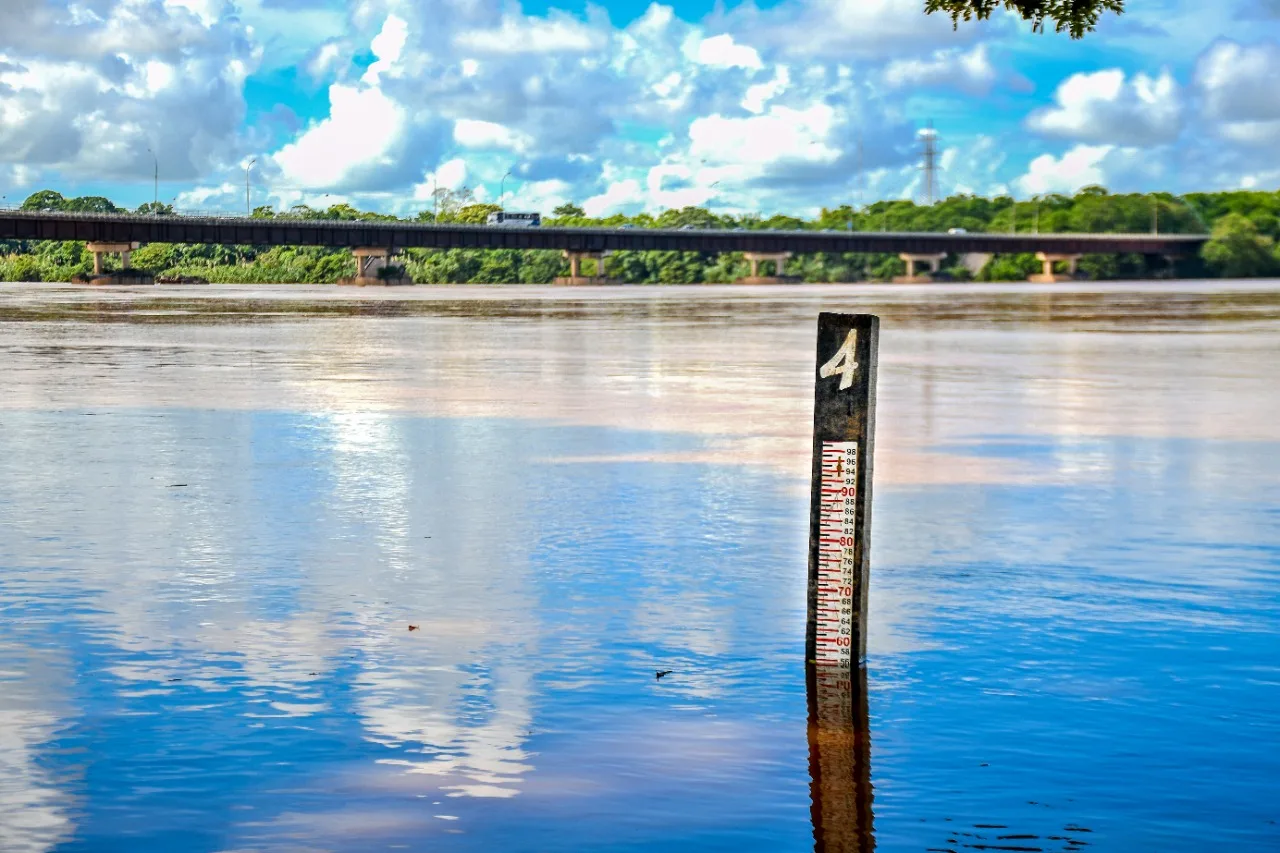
{"points": [[221, 508]]}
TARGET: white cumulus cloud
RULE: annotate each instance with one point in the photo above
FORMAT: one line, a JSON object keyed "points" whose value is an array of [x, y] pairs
{"points": [[1105, 107], [617, 196], [1080, 167], [759, 94], [1239, 86], [969, 71], [723, 52], [518, 34], [86, 91], [363, 131], [487, 134]]}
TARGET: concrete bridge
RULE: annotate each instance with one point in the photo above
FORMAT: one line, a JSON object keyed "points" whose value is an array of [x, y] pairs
{"points": [[120, 232]]}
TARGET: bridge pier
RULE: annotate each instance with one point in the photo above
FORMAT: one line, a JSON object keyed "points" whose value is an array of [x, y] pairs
{"points": [[369, 260], [934, 261], [99, 249], [779, 268], [1049, 259], [575, 275], [126, 275]]}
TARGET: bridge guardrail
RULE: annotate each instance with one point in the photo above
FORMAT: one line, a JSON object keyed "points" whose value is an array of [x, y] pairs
{"points": [[224, 216], [183, 227]]}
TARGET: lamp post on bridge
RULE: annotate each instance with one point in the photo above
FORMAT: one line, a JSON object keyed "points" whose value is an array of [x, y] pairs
{"points": [[155, 198], [248, 211], [502, 191]]}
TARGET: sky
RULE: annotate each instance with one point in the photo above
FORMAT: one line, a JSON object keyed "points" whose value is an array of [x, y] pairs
{"points": [[622, 106]]}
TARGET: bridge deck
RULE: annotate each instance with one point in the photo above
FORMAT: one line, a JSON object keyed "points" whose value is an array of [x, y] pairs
{"points": [[113, 228]]}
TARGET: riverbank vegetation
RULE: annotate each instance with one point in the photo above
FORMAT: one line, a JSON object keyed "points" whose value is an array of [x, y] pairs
{"points": [[1245, 229]]}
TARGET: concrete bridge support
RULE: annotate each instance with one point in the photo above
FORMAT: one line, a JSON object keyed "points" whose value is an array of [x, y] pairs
{"points": [[369, 261], [575, 275], [1049, 276], [913, 276], [100, 249], [779, 268], [126, 275]]}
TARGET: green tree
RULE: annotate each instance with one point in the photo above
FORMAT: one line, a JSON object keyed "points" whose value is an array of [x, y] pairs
{"points": [[501, 266], [155, 208], [447, 202], [542, 266], [1236, 249], [91, 204], [696, 217], [632, 267], [343, 212], [1075, 17], [156, 257], [332, 267], [442, 266], [567, 210], [45, 200], [1010, 268], [20, 268], [476, 214], [60, 252], [681, 267]]}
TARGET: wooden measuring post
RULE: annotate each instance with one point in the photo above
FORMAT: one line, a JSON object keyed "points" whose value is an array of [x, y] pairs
{"points": [[844, 418], [840, 508]]}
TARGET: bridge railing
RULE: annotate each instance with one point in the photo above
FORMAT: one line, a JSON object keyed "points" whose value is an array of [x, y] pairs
{"points": [[394, 224]]}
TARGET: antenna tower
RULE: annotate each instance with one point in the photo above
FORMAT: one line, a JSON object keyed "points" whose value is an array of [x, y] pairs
{"points": [[930, 164]]}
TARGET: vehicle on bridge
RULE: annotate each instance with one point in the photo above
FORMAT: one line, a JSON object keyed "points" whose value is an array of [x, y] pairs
{"points": [[514, 220]]}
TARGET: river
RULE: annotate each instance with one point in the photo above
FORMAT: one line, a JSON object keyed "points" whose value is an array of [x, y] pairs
{"points": [[221, 508]]}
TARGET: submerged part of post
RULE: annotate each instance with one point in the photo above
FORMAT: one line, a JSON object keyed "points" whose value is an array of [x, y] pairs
{"points": [[840, 508], [840, 761]]}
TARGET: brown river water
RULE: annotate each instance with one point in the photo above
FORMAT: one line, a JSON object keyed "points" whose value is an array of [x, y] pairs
{"points": [[220, 506]]}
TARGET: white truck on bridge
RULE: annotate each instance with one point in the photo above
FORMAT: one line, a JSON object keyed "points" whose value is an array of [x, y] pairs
{"points": [[514, 220]]}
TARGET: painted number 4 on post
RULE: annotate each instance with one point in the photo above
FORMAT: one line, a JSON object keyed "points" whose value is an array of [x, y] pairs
{"points": [[842, 362]]}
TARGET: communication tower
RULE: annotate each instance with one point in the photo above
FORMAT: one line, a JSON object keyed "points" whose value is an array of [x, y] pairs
{"points": [[929, 137]]}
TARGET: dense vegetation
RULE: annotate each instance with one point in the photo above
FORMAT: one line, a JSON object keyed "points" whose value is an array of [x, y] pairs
{"points": [[1245, 228]]}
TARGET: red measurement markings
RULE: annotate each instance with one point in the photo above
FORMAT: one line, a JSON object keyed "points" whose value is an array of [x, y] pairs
{"points": [[837, 493]]}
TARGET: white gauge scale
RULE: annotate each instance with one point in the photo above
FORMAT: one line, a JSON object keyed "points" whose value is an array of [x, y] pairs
{"points": [[836, 553]]}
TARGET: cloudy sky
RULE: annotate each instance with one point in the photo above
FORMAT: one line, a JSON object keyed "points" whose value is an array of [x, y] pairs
{"points": [[622, 106]]}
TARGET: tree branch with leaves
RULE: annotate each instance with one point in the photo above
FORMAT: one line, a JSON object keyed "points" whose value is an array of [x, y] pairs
{"points": [[1075, 17]]}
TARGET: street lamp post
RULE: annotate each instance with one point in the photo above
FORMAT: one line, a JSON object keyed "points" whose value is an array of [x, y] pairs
{"points": [[1036, 228], [155, 198], [248, 211], [502, 190], [1155, 214]]}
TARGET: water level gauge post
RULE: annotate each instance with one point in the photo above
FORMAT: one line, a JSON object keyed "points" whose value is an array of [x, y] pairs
{"points": [[840, 503]]}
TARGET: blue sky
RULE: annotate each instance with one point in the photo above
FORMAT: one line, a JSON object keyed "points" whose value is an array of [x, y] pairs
{"points": [[623, 106]]}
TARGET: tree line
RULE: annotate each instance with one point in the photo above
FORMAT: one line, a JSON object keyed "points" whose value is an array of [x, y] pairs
{"points": [[1244, 228]]}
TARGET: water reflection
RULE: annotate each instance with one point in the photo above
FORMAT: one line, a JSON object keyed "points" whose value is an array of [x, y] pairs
{"points": [[34, 812], [214, 536], [840, 759]]}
